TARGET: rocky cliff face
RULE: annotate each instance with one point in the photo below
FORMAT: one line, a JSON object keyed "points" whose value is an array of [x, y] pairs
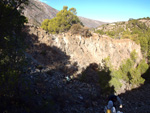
{"points": [[37, 11], [85, 51]]}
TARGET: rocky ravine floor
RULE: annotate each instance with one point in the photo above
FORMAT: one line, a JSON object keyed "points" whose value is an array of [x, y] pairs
{"points": [[51, 93], [137, 100]]}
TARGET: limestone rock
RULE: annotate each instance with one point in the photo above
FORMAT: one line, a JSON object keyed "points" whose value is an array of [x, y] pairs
{"points": [[85, 51]]}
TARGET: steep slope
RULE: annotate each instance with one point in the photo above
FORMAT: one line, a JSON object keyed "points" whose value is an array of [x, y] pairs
{"points": [[91, 23], [37, 11], [81, 52], [63, 49]]}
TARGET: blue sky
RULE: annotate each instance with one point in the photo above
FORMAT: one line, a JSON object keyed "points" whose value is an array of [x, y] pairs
{"points": [[105, 10]]}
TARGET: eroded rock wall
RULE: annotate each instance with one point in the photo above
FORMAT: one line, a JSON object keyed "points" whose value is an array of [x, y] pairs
{"points": [[94, 49]]}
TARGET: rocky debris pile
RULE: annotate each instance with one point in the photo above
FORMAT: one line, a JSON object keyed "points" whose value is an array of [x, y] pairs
{"points": [[52, 90]]}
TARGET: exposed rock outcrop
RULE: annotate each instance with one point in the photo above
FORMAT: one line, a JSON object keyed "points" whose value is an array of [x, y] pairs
{"points": [[85, 51]]}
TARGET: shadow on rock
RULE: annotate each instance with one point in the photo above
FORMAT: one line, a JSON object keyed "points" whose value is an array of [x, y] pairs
{"points": [[95, 74], [42, 86]]}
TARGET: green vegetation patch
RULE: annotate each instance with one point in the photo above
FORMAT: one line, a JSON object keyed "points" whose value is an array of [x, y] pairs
{"points": [[62, 22], [110, 79], [135, 30]]}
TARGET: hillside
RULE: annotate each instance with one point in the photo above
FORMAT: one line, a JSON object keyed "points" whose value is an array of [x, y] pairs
{"points": [[126, 58], [117, 29], [90, 23], [37, 11], [81, 51], [71, 72], [137, 30], [78, 59], [62, 56]]}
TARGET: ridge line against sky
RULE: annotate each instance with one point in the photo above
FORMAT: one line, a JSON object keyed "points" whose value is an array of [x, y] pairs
{"points": [[105, 10]]}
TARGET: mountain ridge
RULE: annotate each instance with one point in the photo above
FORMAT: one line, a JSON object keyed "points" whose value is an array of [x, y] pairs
{"points": [[37, 11]]}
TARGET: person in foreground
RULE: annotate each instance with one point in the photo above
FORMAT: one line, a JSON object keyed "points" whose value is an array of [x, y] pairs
{"points": [[111, 107]]}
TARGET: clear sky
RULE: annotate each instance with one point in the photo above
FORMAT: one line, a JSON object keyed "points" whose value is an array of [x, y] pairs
{"points": [[105, 10]]}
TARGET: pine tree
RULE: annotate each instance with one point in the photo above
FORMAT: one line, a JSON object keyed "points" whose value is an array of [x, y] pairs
{"points": [[62, 22]]}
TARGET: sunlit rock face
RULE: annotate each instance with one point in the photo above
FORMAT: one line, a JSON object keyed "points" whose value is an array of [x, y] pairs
{"points": [[94, 49]]}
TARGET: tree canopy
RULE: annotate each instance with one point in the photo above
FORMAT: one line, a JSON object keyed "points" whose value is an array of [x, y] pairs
{"points": [[62, 22]]}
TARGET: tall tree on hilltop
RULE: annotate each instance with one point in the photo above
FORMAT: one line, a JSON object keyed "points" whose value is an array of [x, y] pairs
{"points": [[62, 22]]}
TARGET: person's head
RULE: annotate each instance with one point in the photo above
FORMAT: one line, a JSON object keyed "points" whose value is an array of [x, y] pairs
{"points": [[114, 99]]}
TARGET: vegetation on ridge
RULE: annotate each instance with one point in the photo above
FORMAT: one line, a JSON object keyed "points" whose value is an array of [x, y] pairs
{"points": [[128, 72], [62, 22], [135, 30], [139, 32]]}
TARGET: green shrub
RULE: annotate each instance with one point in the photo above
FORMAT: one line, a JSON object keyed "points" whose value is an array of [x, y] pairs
{"points": [[109, 78], [116, 83], [133, 56], [117, 74], [144, 44], [62, 22], [100, 32], [110, 33], [142, 67], [127, 72], [45, 24], [136, 77]]}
